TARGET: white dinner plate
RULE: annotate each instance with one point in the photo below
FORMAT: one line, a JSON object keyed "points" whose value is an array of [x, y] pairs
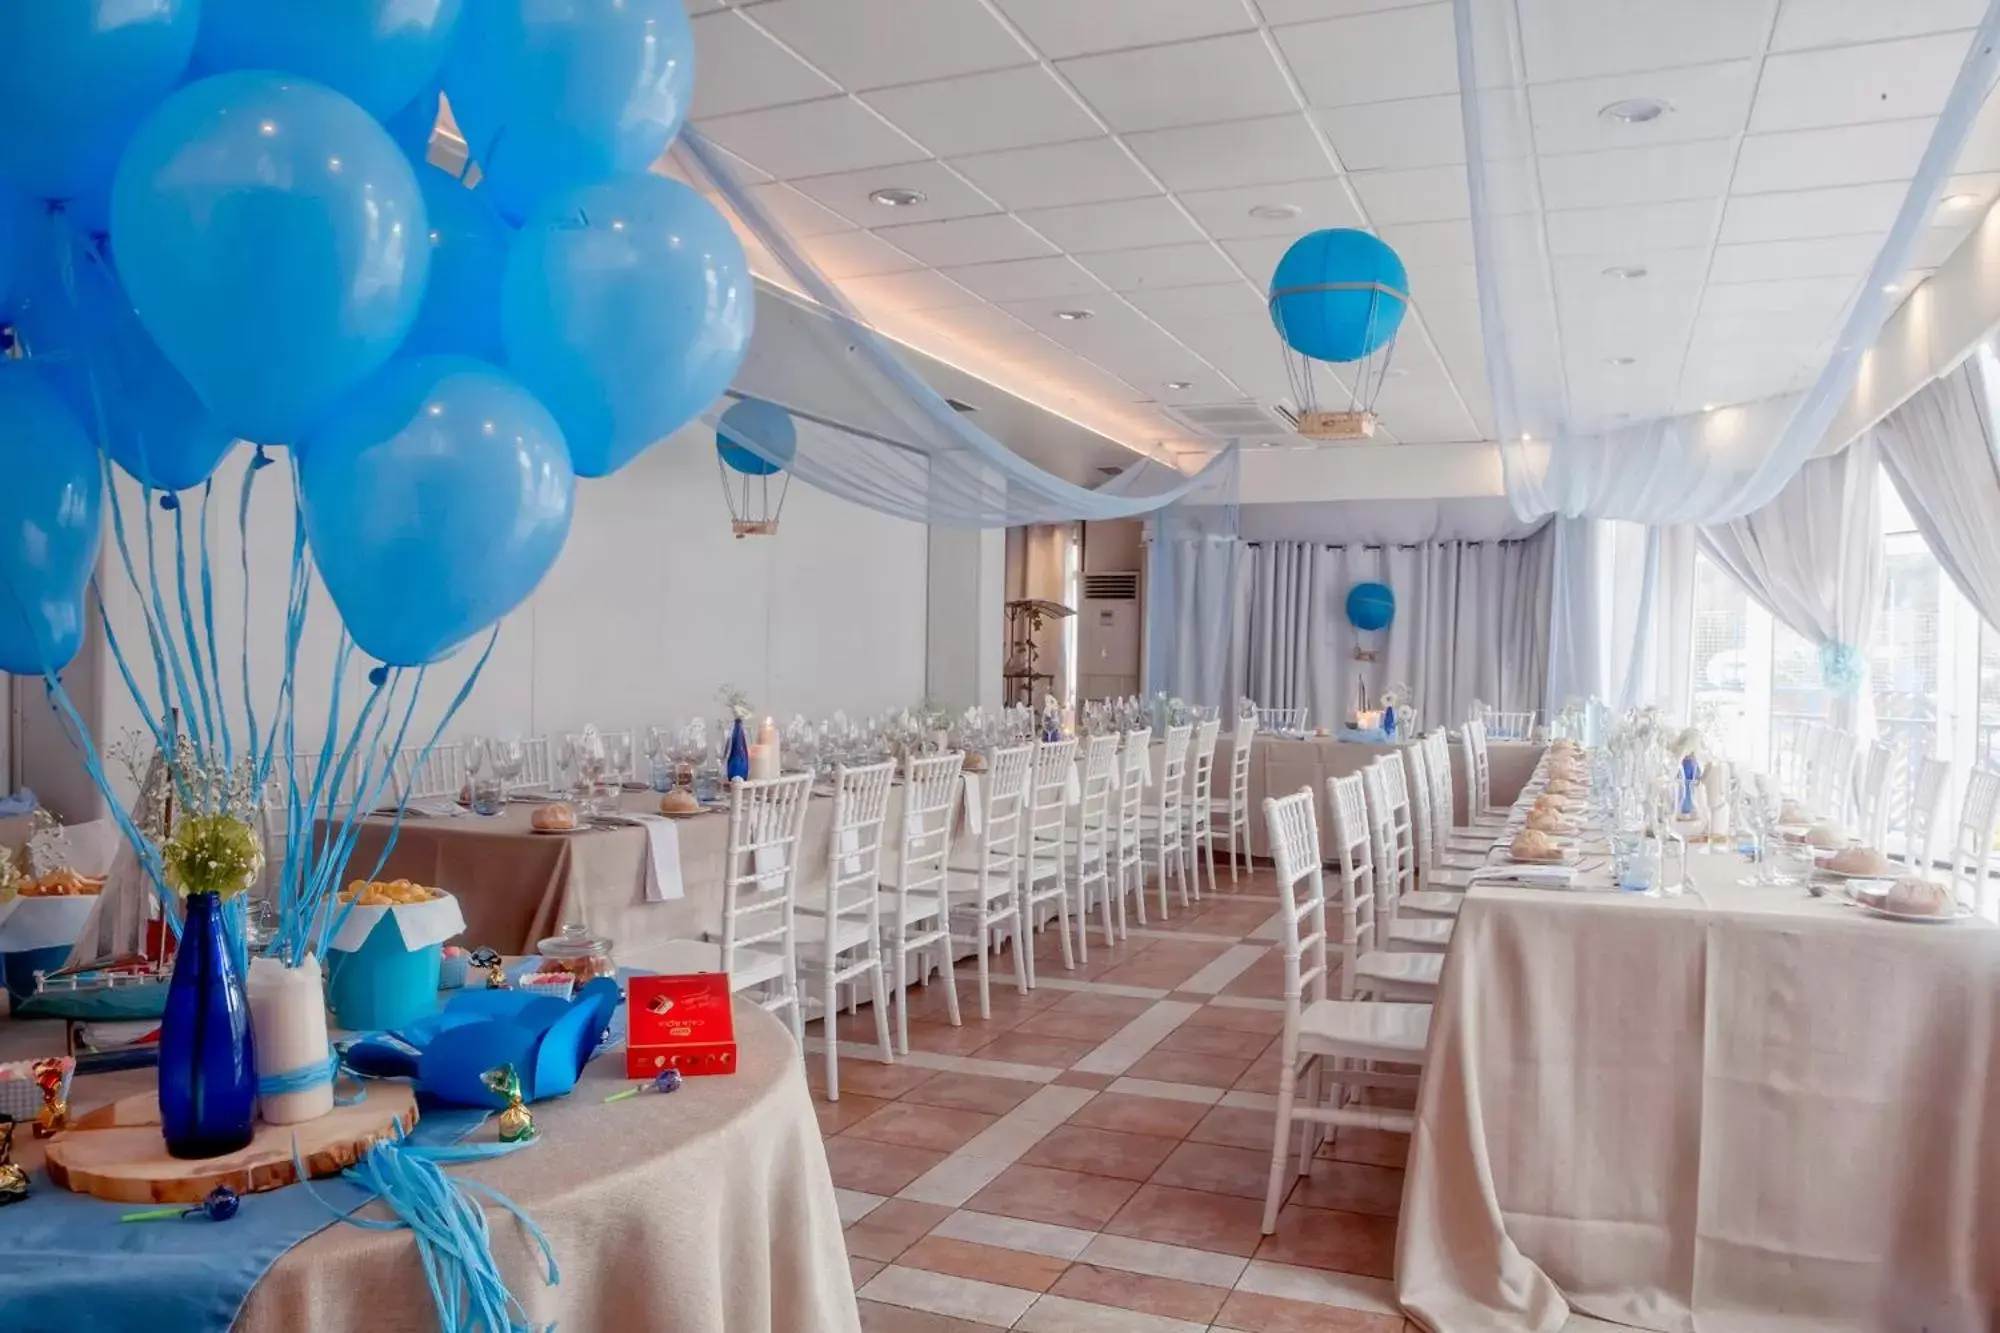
{"points": [[560, 832], [1963, 913]]}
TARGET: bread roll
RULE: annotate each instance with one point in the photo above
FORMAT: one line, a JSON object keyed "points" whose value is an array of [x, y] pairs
{"points": [[554, 818], [1913, 896], [679, 802], [1531, 844], [1546, 821], [1859, 861], [1826, 835]]}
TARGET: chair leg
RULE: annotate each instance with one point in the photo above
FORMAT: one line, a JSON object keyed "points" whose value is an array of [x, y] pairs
{"points": [[1104, 905], [1281, 1135], [985, 994], [1208, 850], [881, 995], [950, 968], [1022, 962], [831, 1011], [902, 996], [798, 1015], [1062, 919], [1024, 938], [1138, 894]]}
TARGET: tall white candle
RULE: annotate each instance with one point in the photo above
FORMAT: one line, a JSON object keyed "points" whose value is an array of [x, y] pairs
{"points": [[288, 1020]]}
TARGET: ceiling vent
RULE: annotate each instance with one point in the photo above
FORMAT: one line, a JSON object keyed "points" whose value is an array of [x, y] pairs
{"points": [[1245, 419]]}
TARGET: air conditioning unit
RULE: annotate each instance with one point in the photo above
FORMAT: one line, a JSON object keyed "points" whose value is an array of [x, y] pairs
{"points": [[1108, 635]]}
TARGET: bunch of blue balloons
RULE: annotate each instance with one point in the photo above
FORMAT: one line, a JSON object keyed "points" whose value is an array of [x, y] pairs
{"points": [[218, 223]]}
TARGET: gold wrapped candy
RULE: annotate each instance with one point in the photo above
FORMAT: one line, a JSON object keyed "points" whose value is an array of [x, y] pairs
{"points": [[517, 1123], [13, 1180], [53, 1116]]}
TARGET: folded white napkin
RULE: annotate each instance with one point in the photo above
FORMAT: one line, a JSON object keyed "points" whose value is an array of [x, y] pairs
{"points": [[1543, 877], [663, 859]]}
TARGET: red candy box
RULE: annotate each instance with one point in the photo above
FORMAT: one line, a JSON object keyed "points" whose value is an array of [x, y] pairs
{"points": [[683, 1023]]}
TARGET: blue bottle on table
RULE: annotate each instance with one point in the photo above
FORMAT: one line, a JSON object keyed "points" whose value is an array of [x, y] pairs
{"points": [[738, 763], [208, 1072]]}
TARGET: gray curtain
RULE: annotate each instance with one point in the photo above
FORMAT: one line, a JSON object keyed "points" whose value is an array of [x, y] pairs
{"points": [[1938, 448], [1471, 623]]}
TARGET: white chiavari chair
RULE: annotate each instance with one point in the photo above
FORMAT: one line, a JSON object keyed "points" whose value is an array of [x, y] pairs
{"points": [[1325, 1040], [427, 777], [1235, 813], [1128, 871], [1395, 867], [1479, 777], [759, 943], [984, 889], [1281, 719], [913, 888], [624, 746], [1871, 793], [1972, 847], [1925, 813], [1831, 772], [1412, 896], [1093, 843], [1044, 848], [1474, 837], [1366, 970], [537, 773], [1198, 838], [1508, 726], [1164, 829], [1436, 871]]}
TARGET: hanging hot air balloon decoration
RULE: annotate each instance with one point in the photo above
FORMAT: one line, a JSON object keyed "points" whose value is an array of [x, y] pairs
{"points": [[754, 442], [1338, 298]]}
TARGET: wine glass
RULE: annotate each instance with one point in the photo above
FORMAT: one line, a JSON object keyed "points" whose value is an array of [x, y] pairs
{"points": [[569, 766], [475, 759], [618, 756], [509, 756]]}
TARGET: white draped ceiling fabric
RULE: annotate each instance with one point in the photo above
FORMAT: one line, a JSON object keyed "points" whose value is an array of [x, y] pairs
{"points": [[1576, 459], [1938, 449]]}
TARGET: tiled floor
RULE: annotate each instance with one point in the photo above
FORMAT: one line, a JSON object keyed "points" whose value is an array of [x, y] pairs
{"points": [[1092, 1159]]}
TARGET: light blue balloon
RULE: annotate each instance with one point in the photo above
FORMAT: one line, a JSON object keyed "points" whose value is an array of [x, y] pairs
{"points": [[756, 438], [49, 512], [10, 247], [78, 76], [435, 499], [461, 309], [1371, 606], [91, 349], [627, 309], [1338, 294], [380, 53], [271, 238], [551, 96]]}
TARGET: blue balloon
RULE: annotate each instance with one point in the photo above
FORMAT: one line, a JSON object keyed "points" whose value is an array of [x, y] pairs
{"points": [[552, 96], [412, 127], [49, 524], [79, 76], [1370, 606], [91, 349], [435, 499], [10, 247], [271, 238], [461, 309], [627, 309], [756, 438], [1328, 298], [380, 53]]}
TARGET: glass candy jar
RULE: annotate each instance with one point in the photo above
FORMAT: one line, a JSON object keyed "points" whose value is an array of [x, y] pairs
{"points": [[576, 951]]}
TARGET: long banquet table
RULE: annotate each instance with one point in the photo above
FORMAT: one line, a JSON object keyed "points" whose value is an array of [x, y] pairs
{"points": [[1741, 1110]]}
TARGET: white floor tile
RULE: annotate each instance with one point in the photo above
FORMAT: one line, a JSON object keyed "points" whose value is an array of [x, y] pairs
{"points": [[1272, 929], [1249, 1101], [1248, 1002], [1052, 1105], [1233, 963], [1129, 1044], [1345, 1290], [1179, 1092], [1128, 1254], [1059, 1314], [855, 1205], [1014, 1233], [972, 1064], [954, 1180], [1186, 936], [1006, 1139], [940, 1293], [1102, 988]]}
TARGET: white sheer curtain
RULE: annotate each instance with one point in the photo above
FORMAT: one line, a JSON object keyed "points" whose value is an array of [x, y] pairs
{"points": [[1813, 557], [1471, 623], [1938, 449]]}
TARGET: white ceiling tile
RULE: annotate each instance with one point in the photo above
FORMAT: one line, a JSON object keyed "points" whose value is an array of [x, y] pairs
{"points": [[1841, 211], [1580, 39], [1838, 22], [1204, 385], [1027, 279], [1851, 84], [1632, 228], [978, 320], [1664, 267], [812, 138], [854, 254], [1831, 256], [742, 69], [919, 289], [1708, 101], [1782, 294], [1115, 225], [1418, 414], [1174, 306], [1374, 57], [983, 113], [1982, 146], [1225, 214], [1061, 28], [1307, 11], [1238, 152], [874, 43], [1418, 132], [1160, 266], [1936, 245], [1424, 194], [1653, 174], [1451, 282], [1187, 83], [1428, 244], [1258, 256], [798, 215], [1084, 172], [1841, 155], [680, 164], [978, 240], [945, 194]]}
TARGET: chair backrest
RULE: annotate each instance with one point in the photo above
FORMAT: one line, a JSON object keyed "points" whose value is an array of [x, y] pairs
{"points": [[1135, 763], [1478, 786], [1920, 825], [420, 776], [1395, 785], [1004, 798], [854, 850], [1871, 792], [1201, 765], [1281, 719], [1511, 726], [1972, 848], [1832, 771], [1301, 896], [1173, 778], [1423, 830], [1241, 743], [1348, 800], [761, 870], [1093, 810], [1055, 764], [930, 803], [535, 768]]}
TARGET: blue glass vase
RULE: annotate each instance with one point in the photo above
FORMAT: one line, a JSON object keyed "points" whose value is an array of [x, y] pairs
{"points": [[1389, 722], [738, 763], [208, 1072]]}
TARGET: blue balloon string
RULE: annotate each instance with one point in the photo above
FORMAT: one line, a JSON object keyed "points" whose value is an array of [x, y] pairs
{"points": [[189, 713], [208, 618], [306, 1078], [208, 731]]}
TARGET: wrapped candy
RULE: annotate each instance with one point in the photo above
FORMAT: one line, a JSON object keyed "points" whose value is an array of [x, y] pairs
{"points": [[13, 1180], [517, 1123], [667, 1080], [219, 1205], [53, 1117], [490, 962]]}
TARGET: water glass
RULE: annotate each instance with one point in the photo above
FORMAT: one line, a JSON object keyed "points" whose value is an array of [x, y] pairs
{"points": [[486, 796]]}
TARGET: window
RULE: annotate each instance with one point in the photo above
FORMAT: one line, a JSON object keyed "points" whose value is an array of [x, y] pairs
{"points": [[1723, 670]]}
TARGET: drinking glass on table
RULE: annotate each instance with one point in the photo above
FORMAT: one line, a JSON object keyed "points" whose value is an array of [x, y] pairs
{"points": [[569, 765], [509, 756], [618, 757]]}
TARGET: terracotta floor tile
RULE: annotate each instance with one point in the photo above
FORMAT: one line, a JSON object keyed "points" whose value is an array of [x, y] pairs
{"points": [[1041, 1194], [863, 1269], [1204, 1221], [879, 1318], [1209, 1041], [1139, 1115], [878, 1168], [1236, 1127], [972, 1092], [1123, 1007], [938, 1128], [1324, 1238], [1199, 952], [852, 1106], [1264, 978], [1271, 1314], [1059, 1022], [1101, 1152], [1025, 1048], [866, 1077], [1164, 974], [1373, 1147], [892, 1227], [941, 1038], [1208, 1071], [984, 1263], [1137, 1291], [1262, 1021], [1243, 1172], [1069, 1078], [1351, 1187], [1261, 1076]]}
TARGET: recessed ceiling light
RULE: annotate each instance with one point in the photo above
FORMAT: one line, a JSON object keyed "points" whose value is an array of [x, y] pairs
{"points": [[1635, 110], [1073, 315], [1959, 200], [1708, 407], [1620, 360], [1626, 271], [896, 197], [1275, 212], [1180, 384]]}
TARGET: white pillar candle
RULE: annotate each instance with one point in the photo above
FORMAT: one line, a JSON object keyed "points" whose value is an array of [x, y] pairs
{"points": [[288, 1019]]}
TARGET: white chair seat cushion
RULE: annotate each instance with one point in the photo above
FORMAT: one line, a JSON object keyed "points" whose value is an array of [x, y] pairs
{"points": [[1400, 969], [917, 905], [809, 932], [1431, 902], [754, 965], [967, 882], [1421, 933], [1366, 1029]]}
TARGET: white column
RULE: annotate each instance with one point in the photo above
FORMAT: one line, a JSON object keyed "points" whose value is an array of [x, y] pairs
{"points": [[966, 631]]}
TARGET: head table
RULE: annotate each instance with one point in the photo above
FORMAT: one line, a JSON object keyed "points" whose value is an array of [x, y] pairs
{"points": [[1739, 1110]]}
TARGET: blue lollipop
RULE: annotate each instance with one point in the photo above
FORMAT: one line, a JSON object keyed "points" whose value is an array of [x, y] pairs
{"points": [[667, 1080], [220, 1205]]}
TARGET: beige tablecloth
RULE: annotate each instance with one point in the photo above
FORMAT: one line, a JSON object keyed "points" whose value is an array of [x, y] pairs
{"points": [[1741, 1109], [1280, 766]]}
